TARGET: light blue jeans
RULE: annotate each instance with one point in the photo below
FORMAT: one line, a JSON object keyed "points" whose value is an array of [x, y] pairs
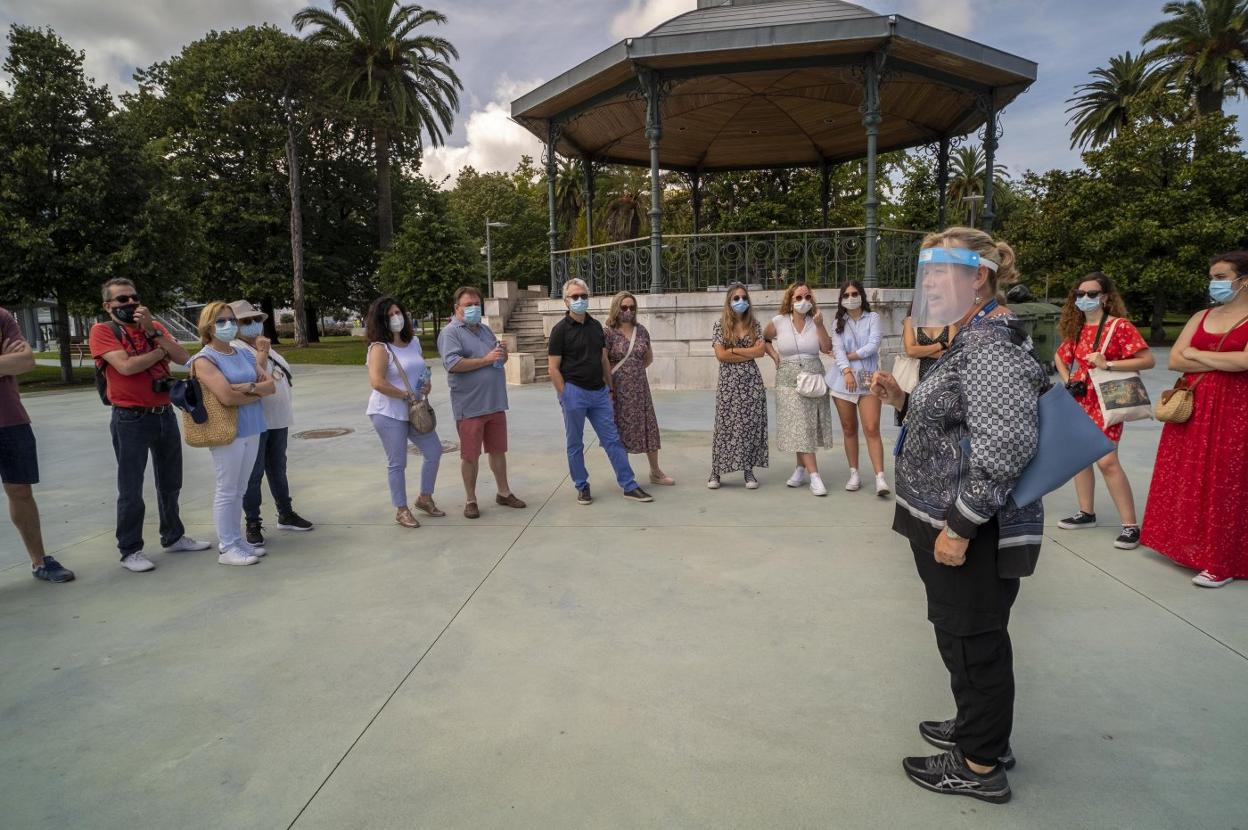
{"points": [[581, 404], [394, 436]]}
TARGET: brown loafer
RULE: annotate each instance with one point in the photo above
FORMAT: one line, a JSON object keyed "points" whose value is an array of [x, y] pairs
{"points": [[405, 518], [471, 511], [427, 507], [510, 500]]}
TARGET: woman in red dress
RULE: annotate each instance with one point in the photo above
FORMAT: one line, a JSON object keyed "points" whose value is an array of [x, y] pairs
{"points": [[1096, 333], [1195, 513]]}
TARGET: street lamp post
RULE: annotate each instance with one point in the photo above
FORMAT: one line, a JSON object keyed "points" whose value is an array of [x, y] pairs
{"points": [[489, 253], [972, 202]]}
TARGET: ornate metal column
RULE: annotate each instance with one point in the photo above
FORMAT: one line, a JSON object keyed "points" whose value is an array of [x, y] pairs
{"points": [[695, 200], [654, 132], [942, 179], [552, 170], [588, 168], [990, 135], [871, 119], [825, 190]]}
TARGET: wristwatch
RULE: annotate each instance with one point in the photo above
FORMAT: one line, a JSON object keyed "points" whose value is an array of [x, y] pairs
{"points": [[953, 534]]}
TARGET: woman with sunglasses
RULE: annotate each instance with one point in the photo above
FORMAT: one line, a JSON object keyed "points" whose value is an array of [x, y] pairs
{"points": [[856, 340], [1096, 333], [628, 349], [232, 377], [740, 437], [795, 339]]}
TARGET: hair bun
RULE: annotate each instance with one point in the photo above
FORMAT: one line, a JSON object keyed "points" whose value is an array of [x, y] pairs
{"points": [[1006, 273]]}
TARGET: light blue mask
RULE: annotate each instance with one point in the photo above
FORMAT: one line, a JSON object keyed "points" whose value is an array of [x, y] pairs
{"points": [[1087, 304], [740, 306], [251, 329], [579, 306], [472, 315], [1222, 291], [225, 332]]}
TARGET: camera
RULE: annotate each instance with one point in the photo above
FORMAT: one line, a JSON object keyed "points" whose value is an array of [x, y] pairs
{"points": [[162, 385], [1077, 388]]}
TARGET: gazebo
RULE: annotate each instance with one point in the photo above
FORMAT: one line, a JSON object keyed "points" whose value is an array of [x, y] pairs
{"points": [[762, 84]]}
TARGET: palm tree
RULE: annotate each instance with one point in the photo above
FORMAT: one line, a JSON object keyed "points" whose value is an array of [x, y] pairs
{"points": [[403, 77], [1101, 108], [627, 196], [967, 171], [569, 196], [1203, 46]]}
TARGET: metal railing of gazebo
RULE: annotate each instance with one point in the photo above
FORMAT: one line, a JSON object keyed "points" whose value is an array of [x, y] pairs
{"points": [[823, 258]]}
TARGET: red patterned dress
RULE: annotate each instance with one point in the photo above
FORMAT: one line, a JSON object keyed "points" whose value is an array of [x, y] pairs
{"points": [[1125, 344], [1195, 512]]}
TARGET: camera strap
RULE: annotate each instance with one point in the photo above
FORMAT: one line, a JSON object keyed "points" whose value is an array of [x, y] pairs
{"points": [[1096, 343]]}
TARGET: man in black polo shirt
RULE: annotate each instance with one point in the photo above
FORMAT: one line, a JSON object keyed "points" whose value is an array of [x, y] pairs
{"points": [[581, 373]]}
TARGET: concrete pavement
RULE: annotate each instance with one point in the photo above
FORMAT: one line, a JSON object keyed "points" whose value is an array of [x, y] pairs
{"points": [[715, 659]]}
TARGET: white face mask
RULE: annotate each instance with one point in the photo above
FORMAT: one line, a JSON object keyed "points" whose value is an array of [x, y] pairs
{"points": [[802, 306], [396, 323], [852, 303]]}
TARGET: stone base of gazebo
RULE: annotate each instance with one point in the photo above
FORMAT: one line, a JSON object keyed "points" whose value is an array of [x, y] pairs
{"points": [[680, 329]]}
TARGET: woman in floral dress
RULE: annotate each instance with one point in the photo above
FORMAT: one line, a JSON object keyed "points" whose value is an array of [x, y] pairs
{"points": [[740, 440], [628, 349]]}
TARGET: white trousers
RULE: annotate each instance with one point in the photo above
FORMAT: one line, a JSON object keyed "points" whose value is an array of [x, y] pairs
{"points": [[233, 464]]}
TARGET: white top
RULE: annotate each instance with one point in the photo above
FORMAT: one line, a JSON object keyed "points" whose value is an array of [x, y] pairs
{"points": [[862, 336], [279, 408], [413, 360], [791, 345]]}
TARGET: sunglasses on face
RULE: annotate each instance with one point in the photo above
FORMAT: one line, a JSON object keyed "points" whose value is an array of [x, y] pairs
{"points": [[125, 298], [628, 308], [578, 296], [1091, 294], [221, 321], [797, 297], [738, 297], [848, 294]]}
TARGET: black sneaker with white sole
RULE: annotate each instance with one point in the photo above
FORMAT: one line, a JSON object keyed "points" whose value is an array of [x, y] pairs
{"points": [[584, 496], [638, 494], [939, 733], [1078, 521], [293, 521], [948, 773], [255, 532], [1129, 539]]}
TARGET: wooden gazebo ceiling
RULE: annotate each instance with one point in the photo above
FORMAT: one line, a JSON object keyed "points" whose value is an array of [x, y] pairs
{"points": [[779, 96]]}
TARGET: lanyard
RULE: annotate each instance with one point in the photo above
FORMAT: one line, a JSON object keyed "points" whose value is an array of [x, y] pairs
{"points": [[988, 308]]}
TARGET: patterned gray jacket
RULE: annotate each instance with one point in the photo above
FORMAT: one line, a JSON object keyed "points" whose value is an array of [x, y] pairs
{"points": [[972, 426]]}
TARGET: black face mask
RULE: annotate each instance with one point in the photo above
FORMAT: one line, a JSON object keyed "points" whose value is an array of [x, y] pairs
{"points": [[125, 313]]}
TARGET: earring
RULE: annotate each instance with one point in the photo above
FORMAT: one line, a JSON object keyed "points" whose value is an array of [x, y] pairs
{"points": [[977, 299]]}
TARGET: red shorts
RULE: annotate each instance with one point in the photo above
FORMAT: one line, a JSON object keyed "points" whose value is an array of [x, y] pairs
{"points": [[489, 431]]}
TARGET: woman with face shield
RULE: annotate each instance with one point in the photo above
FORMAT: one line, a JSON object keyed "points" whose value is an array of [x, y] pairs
{"points": [[1195, 513], [971, 427]]}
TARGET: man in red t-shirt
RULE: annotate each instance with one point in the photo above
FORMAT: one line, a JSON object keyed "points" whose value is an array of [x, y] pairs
{"points": [[134, 352], [19, 460]]}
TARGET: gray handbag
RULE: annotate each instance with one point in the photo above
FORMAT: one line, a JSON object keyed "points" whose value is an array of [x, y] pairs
{"points": [[419, 412]]}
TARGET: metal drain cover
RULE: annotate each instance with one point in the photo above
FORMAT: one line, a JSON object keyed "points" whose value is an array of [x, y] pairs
{"points": [[447, 446], [332, 432]]}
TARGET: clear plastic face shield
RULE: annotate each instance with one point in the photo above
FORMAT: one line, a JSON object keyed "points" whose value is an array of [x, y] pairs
{"points": [[945, 286]]}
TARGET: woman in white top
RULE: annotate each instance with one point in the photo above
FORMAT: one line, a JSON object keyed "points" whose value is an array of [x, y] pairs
{"points": [[393, 353], [795, 338], [856, 340]]}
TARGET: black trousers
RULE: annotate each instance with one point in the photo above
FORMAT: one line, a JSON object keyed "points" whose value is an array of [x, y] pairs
{"points": [[969, 606], [136, 435]]}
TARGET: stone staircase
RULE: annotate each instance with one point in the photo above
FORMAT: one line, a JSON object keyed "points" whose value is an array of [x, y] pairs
{"points": [[525, 323]]}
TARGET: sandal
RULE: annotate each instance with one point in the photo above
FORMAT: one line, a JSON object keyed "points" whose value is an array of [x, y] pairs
{"points": [[405, 518]]}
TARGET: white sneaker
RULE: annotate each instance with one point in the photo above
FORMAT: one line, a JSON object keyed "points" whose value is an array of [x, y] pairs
{"points": [[855, 482], [137, 562], [250, 549], [881, 486], [751, 483], [236, 556], [816, 485], [798, 478], [712, 483], [186, 543], [1207, 580]]}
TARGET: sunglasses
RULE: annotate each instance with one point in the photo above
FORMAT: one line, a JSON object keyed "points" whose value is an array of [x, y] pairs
{"points": [[1091, 294], [221, 321], [797, 297], [125, 298], [578, 296], [849, 294], [628, 308]]}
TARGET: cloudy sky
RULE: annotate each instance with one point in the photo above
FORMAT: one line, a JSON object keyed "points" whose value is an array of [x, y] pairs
{"points": [[508, 46]]}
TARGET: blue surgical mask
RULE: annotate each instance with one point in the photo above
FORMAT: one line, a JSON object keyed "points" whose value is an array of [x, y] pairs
{"points": [[741, 306], [579, 306], [1222, 291], [472, 314], [1087, 304], [251, 329], [225, 332]]}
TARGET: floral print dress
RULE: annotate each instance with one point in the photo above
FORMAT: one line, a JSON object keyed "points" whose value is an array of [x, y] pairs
{"points": [[740, 439], [634, 408]]}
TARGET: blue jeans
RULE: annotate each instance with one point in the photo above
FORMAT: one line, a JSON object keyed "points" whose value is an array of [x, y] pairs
{"points": [[394, 436], [271, 462], [579, 404], [135, 436]]}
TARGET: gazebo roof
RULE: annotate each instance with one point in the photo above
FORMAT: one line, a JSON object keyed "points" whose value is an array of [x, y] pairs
{"points": [[772, 83]]}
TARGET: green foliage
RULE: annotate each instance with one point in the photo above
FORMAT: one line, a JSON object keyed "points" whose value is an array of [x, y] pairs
{"points": [[1203, 47], [521, 249], [1118, 95]]}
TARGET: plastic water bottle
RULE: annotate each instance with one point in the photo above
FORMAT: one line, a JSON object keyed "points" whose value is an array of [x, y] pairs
{"points": [[498, 364]]}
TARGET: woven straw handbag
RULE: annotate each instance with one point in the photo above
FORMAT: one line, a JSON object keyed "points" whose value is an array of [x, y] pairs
{"points": [[221, 427], [1177, 404]]}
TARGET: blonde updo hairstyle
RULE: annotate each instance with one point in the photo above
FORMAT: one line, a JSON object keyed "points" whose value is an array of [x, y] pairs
{"points": [[987, 248]]}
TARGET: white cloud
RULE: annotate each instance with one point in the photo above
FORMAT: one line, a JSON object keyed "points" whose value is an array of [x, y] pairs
{"points": [[956, 16], [643, 15], [494, 142]]}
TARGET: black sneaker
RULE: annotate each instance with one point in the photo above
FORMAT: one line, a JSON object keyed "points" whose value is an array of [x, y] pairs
{"points": [[638, 494], [939, 733], [1129, 539], [52, 571], [948, 773], [292, 521], [255, 534], [583, 496], [1078, 521]]}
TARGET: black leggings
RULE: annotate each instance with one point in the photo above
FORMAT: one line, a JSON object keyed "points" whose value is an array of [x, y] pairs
{"points": [[969, 606]]}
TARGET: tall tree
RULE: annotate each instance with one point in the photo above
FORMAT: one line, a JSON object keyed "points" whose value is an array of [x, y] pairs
{"points": [[968, 169], [403, 78], [1203, 46], [1118, 93]]}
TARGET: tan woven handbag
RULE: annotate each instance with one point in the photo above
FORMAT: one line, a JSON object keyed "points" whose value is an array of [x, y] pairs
{"points": [[220, 429], [1177, 404]]}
